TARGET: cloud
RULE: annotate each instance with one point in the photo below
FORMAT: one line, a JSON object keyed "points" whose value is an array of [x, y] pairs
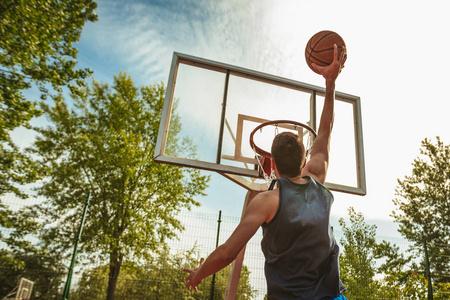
{"points": [[141, 36]]}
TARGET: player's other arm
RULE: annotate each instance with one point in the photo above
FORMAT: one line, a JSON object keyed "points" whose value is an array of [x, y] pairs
{"points": [[257, 212], [318, 164]]}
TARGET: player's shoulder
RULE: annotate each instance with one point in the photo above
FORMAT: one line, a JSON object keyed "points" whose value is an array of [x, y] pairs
{"points": [[269, 194], [266, 203], [267, 198], [314, 170]]}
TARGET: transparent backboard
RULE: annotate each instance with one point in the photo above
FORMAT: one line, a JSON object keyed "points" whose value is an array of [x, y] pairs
{"points": [[211, 108]]}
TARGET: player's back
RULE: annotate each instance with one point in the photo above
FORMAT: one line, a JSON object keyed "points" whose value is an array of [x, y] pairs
{"points": [[299, 246]]}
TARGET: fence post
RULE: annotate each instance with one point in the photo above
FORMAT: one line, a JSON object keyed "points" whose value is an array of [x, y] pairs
{"points": [[427, 262], [74, 255], [217, 244]]}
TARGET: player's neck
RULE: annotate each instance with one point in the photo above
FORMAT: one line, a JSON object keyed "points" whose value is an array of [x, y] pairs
{"points": [[298, 179]]}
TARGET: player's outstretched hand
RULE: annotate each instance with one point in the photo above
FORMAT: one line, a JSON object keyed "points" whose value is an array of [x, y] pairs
{"points": [[332, 71], [191, 280]]}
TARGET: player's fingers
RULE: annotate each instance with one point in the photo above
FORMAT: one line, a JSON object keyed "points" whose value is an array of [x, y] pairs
{"points": [[201, 261], [187, 271], [195, 289], [335, 52], [341, 59]]}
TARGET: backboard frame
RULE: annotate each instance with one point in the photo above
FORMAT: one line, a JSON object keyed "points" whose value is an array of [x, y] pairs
{"points": [[236, 173]]}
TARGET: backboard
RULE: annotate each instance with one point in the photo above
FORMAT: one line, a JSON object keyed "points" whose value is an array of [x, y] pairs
{"points": [[211, 108]]}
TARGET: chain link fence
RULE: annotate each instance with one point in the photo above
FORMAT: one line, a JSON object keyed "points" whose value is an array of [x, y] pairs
{"points": [[163, 278]]}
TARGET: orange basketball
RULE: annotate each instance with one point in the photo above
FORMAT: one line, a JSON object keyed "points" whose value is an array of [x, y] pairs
{"points": [[320, 48]]}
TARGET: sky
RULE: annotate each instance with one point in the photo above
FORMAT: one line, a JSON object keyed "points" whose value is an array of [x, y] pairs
{"points": [[397, 63]]}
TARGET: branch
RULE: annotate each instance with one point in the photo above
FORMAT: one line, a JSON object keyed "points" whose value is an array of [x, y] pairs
{"points": [[17, 74]]}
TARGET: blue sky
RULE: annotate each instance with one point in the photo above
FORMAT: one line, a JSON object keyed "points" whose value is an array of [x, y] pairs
{"points": [[397, 63]]}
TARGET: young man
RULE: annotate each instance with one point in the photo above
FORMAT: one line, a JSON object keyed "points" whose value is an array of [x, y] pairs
{"points": [[300, 250]]}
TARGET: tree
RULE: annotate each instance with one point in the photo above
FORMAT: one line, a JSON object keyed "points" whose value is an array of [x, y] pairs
{"points": [[105, 145], [423, 204], [21, 257], [414, 287], [357, 261], [41, 266], [161, 277], [363, 258], [36, 49]]}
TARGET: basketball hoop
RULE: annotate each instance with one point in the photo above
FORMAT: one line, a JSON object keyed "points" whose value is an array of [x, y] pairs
{"points": [[264, 157]]}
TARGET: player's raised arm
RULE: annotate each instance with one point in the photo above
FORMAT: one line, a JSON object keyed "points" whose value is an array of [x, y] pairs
{"points": [[318, 164], [258, 211]]}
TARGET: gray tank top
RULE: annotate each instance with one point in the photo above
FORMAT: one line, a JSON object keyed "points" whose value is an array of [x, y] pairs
{"points": [[302, 257]]}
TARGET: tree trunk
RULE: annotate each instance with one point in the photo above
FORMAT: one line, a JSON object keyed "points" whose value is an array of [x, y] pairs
{"points": [[115, 263]]}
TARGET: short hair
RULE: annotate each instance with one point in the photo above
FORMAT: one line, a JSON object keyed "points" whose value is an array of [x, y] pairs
{"points": [[288, 152]]}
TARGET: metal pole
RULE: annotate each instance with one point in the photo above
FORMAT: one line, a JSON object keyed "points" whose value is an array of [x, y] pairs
{"points": [[427, 262], [236, 265], [74, 255], [222, 120], [217, 244]]}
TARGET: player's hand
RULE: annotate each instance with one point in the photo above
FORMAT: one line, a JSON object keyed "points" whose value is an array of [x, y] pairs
{"points": [[191, 280], [332, 71]]}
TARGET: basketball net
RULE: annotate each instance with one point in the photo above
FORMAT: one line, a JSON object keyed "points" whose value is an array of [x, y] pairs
{"points": [[263, 163]]}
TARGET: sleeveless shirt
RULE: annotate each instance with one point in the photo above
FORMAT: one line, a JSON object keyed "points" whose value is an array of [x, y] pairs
{"points": [[301, 254]]}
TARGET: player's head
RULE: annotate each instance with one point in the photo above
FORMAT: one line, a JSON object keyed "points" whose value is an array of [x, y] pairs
{"points": [[288, 153]]}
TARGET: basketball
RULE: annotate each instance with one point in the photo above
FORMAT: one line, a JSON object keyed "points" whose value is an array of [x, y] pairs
{"points": [[320, 48]]}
